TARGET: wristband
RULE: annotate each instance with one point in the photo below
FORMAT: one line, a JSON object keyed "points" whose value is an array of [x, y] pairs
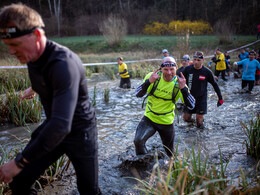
{"points": [[19, 161]]}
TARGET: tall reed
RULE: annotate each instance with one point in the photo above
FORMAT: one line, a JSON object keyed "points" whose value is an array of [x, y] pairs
{"points": [[19, 112], [52, 173], [94, 102], [13, 80], [252, 131], [191, 174], [106, 95]]}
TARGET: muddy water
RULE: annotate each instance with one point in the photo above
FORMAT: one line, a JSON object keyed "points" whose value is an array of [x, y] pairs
{"points": [[117, 121]]}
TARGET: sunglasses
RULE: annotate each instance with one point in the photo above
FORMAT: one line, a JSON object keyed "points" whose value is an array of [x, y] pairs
{"points": [[198, 55]]}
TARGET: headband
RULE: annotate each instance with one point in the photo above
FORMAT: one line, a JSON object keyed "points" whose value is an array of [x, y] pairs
{"points": [[168, 64], [198, 55], [252, 53], [13, 32]]}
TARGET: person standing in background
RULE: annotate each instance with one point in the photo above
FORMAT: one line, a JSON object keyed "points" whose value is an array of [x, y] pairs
{"points": [[123, 73], [249, 69], [197, 78], [227, 60], [220, 64], [166, 53], [185, 61]]}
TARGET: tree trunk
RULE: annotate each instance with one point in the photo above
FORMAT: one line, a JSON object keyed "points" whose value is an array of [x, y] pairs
{"points": [[57, 13], [49, 2]]}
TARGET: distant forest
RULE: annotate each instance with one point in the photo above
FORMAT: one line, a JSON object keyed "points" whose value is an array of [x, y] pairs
{"points": [[82, 17]]}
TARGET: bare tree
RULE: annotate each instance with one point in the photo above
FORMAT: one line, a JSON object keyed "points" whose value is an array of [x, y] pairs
{"points": [[56, 8], [114, 29], [49, 2]]}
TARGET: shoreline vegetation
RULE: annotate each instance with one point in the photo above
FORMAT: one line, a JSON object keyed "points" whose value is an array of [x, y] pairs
{"points": [[189, 174]]}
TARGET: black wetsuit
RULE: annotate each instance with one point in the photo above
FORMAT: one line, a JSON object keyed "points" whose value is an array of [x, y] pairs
{"points": [[197, 81], [70, 126]]}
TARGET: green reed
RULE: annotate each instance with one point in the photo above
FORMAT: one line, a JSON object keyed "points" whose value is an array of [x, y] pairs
{"points": [[14, 80], [191, 174], [94, 102], [252, 131], [141, 70], [52, 173], [110, 71], [106, 95], [19, 112]]}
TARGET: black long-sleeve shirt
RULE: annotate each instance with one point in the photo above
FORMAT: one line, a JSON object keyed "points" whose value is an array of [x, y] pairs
{"points": [[59, 78], [197, 81]]}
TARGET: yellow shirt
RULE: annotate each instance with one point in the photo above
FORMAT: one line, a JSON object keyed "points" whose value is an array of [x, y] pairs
{"points": [[121, 69], [164, 109], [222, 64]]}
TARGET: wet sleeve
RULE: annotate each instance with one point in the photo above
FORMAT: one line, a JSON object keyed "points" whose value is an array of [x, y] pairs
{"points": [[188, 99], [142, 89], [65, 84], [213, 82]]}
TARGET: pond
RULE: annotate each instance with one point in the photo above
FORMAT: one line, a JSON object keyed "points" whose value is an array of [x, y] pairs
{"points": [[118, 119]]}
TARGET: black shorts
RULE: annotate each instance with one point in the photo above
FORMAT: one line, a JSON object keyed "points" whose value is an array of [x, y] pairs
{"points": [[200, 108], [257, 77]]}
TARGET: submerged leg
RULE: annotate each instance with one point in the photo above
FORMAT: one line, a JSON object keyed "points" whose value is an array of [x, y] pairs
{"points": [[143, 132]]}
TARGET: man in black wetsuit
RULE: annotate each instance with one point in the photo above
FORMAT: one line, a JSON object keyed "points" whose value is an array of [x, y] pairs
{"points": [[197, 78], [57, 75]]}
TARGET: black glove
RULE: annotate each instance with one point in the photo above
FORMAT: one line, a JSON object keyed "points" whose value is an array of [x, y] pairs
{"points": [[220, 102]]}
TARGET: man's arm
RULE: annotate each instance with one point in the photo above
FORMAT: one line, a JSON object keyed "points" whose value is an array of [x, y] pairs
{"points": [[125, 71], [142, 89], [65, 84], [188, 99], [213, 82], [149, 79]]}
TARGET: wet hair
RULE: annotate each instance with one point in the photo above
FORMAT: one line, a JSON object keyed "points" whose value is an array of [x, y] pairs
{"points": [[20, 16], [120, 58]]}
